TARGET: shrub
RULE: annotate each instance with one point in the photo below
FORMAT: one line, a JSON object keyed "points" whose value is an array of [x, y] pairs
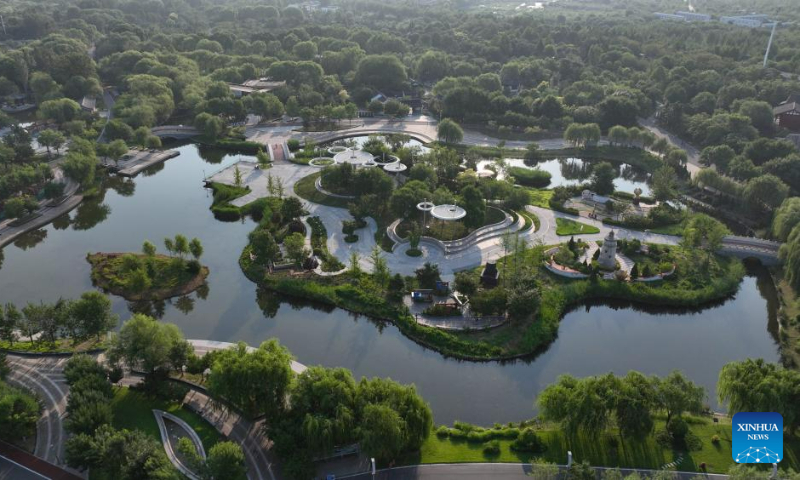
{"points": [[528, 441], [715, 439], [293, 144], [492, 448], [489, 302]]}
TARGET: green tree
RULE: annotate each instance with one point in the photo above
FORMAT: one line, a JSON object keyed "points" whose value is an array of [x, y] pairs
{"points": [[144, 343], [664, 184], [226, 461], [449, 131], [381, 432], [603, 175], [704, 233], [263, 245], [305, 50], [381, 72], [765, 193], [676, 394], [292, 208], [256, 382], [619, 135], [51, 139], [475, 207], [786, 217], [718, 155], [9, 323], [295, 248], [196, 248], [126, 455], [19, 412], [753, 385], [116, 150], [79, 167], [181, 245], [148, 248], [532, 153], [93, 315], [466, 283]]}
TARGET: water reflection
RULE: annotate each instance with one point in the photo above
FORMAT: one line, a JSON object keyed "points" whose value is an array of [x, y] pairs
{"points": [[31, 239], [574, 171]]}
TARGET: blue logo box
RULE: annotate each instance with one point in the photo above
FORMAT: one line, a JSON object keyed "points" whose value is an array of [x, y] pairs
{"points": [[757, 437]]}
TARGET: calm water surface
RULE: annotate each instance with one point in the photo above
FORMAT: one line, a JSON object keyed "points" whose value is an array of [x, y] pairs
{"points": [[574, 171], [50, 263]]}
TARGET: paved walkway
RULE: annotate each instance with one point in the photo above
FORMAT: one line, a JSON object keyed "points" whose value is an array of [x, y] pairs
{"points": [[47, 213], [137, 160], [693, 163]]}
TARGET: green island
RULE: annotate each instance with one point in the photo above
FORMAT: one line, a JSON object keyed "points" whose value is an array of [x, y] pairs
{"points": [[699, 278], [150, 276]]}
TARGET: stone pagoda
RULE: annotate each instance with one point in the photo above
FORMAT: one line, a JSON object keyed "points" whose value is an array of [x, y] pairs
{"points": [[608, 253]]}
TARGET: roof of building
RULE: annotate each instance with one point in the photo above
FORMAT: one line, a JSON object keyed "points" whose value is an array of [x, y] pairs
{"points": [[785, 108], [261, 85], [490, 270], [264, 83], [89, 103]]}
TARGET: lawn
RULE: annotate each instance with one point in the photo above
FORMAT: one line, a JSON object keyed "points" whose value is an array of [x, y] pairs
{"points": [[134, 411], [608, 450], [565, 226], [306, 190], [540, 198]]}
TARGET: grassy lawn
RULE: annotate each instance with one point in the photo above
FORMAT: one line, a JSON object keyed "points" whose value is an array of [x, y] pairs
{"points": [[306, 190], [565, 226], [608, 450], [132, 410], [540, 198]]}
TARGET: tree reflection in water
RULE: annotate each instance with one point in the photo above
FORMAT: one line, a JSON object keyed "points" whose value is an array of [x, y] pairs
{"points": [[185, 304], [31, 239]]}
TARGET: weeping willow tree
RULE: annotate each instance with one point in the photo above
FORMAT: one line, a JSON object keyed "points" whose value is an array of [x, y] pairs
{"points": [[757, 386], [787, 216], [790, 254]]}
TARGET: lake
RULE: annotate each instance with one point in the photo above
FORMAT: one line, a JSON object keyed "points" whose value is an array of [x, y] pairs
{"points": [[169, 199]]}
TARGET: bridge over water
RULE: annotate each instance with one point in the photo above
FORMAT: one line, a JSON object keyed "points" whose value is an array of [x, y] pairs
{"points": [[750, 247]]}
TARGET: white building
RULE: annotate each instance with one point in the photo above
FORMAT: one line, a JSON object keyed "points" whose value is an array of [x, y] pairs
{"points": [[694, 17], [670, 16], [750, 21]]}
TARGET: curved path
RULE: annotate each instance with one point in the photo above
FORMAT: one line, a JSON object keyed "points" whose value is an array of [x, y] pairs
{"points": [[44, 376]]}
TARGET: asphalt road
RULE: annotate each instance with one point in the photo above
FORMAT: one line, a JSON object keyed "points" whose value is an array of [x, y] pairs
{"points": [[503, 471]]}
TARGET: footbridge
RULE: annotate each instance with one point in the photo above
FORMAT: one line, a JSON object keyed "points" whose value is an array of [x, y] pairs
{"points": [[177, 132], [765, 251]]}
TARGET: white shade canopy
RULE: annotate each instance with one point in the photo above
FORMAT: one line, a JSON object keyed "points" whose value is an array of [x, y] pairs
{"points": [[425, 206], [395, 167], [448, 212], [353, 157]]}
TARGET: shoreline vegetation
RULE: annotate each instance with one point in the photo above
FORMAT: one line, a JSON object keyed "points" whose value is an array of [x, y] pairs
{"points": [[118, 273], [518, 338]]}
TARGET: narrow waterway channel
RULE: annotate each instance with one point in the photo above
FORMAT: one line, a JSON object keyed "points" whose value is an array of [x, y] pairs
{"points": [[169, 199]]}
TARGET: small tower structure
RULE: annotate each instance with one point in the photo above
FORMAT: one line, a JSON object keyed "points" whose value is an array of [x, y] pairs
{"points": [[608, 253]]}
